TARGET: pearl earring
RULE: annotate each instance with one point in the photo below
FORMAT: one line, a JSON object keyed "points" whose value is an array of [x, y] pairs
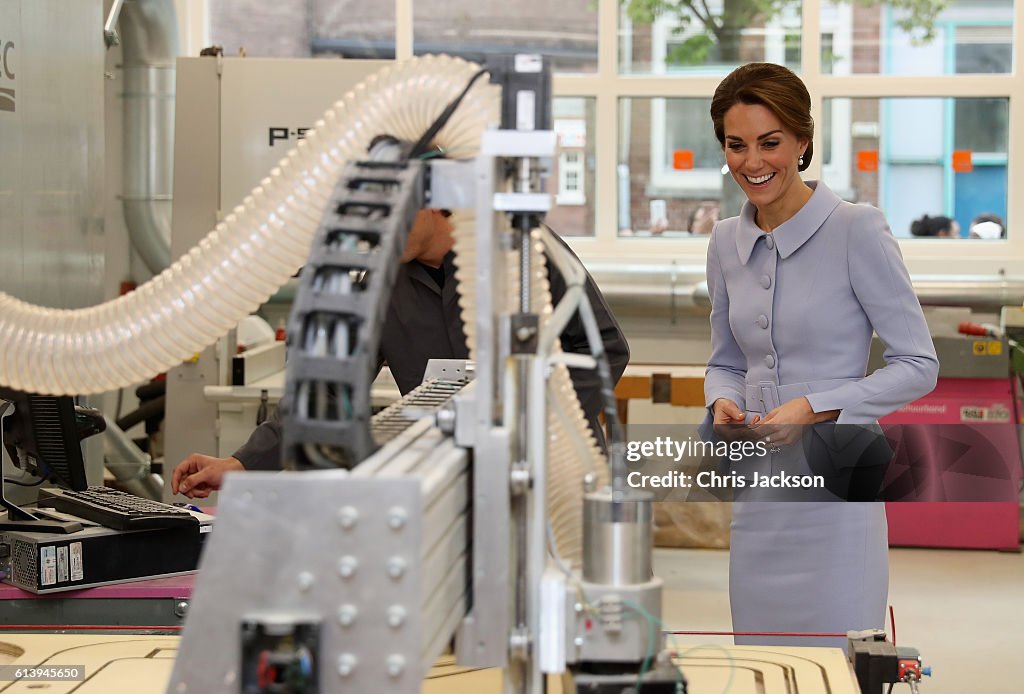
{"points": [[801, 162]]}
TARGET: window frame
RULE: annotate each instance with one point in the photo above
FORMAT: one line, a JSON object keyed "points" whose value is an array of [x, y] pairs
{"points": [[607, 87]]}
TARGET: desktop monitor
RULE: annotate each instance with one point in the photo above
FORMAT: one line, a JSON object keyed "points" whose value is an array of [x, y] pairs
{"points": [[43, 436]]}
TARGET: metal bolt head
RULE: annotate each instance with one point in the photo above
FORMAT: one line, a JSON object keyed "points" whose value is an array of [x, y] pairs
{"points": [[347, 566], [397, 517], [445, 419], [519, 478], [181, 608], [348, 517], [347, 614], [396, 616], [396, 664], [524, 333], [518, 644], [306, 581], [346, 664], [396, 567]]}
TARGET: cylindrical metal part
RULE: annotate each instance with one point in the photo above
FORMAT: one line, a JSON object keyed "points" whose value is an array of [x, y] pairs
{"points": [[617, 537]]}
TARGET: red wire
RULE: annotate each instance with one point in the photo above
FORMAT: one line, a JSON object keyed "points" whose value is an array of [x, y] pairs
{"points": [[85, 627], [892, 620], [757, 633]]}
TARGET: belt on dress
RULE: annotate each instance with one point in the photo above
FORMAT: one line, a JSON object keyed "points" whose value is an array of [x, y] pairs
{"points": [[765, 396]]}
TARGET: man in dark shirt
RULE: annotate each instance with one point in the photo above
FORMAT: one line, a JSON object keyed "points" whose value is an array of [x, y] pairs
{"points": [[423, 322]]}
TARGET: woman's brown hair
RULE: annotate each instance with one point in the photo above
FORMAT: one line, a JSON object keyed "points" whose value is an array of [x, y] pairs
{"points": [[772, 86]]}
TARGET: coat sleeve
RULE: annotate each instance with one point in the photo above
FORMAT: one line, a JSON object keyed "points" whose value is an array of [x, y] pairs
{"points": [[726, 374], [263, 449], [882, 285], [574, 339]]}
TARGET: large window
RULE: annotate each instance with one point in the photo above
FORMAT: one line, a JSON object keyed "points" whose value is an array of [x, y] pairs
{"points": [[705, 36], [301, 28], [917, 103], [567, 32], [887, 38], [921, 156]]}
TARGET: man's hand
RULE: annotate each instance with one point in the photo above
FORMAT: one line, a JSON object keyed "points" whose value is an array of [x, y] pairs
{"points": [[197, 476], [730, 421], [785, 424]]}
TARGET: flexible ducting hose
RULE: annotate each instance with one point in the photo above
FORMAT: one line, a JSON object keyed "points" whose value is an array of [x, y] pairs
{"points": [[247, 257], [261, 244]]}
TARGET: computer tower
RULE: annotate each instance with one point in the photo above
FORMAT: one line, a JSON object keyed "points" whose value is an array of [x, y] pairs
{"points": [[47, 563]]}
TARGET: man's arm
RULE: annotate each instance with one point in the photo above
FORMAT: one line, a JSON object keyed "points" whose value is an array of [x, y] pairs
{"points": [[263, 449], [199, 475]]}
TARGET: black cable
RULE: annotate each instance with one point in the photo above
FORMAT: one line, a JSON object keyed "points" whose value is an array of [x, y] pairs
{"points": [[38, 482], [150, 408], [420, 148], [153, 389]]}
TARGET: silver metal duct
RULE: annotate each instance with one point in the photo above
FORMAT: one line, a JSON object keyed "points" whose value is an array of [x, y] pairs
{"points": [[129, 464], [149, 39], [671, 289]]}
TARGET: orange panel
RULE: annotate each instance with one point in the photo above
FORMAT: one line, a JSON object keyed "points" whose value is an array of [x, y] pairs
{"points": [[682, 159], [867, 160], [963, 160]]}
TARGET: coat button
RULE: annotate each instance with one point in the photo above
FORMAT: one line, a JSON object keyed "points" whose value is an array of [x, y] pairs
{"points": [[769, 241], [762, 321], [766, 281], [769, 361]]}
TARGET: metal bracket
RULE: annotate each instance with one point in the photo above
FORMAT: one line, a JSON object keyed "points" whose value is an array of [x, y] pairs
{"points": [[524, 328], [110, 36]]}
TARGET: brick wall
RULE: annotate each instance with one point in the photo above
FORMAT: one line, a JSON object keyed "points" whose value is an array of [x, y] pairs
{"points": [[867, 23]]}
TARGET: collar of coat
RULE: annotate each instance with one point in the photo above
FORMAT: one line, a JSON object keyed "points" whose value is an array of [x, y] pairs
{"points": [[419, 273], [792, 233]]}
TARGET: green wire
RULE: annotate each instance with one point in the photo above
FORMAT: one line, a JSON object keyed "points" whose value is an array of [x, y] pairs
{"points": [[653, 623]]}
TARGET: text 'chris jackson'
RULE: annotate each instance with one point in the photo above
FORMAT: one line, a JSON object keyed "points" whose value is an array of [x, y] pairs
{"points": [[715, 480]]}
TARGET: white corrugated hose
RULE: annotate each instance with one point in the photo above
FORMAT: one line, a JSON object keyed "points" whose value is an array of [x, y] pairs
{"points": [[261, 244], [248, 256]]}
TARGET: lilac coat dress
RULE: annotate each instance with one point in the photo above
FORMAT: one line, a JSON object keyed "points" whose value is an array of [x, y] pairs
{"points": [[792, 315]]}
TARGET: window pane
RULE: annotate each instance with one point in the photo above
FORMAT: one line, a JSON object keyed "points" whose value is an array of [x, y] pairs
{"points": [[670, 168], [916, 157], [352, 28], [567, 31], [982, 125], [572, 181], [701, 37], [883, 38], [300, 28]]}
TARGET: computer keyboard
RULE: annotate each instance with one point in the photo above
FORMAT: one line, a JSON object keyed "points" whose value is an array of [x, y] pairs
{"points": [[115, 509]]}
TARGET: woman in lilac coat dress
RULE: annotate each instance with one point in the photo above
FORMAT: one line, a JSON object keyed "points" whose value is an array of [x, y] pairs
{"points": [[799, 281]]}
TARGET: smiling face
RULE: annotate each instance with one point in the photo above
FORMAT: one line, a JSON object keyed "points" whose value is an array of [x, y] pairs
{"points": [[763, 156]]}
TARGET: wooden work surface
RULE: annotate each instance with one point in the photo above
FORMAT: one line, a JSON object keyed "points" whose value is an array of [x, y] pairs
{"points": [[125, 664]]}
